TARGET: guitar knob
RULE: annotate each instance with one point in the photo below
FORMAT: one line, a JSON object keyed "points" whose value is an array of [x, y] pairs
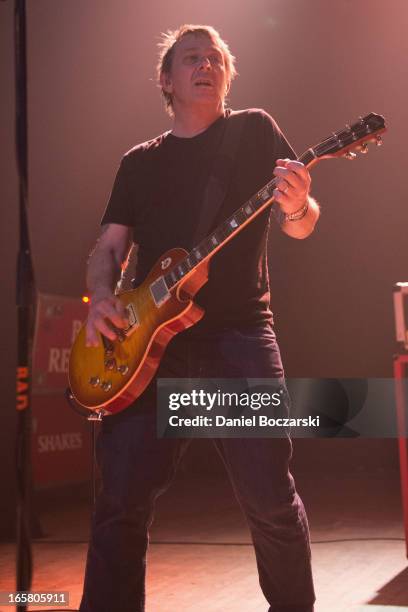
{"points": [[121, 336], [106, 385], [364, 148], [108, 346], [123, 369], [378, 140], [110, 364], [350, 155], [94, 381]]}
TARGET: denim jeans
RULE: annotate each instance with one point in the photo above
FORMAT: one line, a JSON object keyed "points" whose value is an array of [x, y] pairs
{"points": [[137, 467]]}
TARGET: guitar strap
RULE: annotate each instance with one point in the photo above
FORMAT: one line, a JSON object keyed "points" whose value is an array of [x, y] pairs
{"points": [[220, 177]]}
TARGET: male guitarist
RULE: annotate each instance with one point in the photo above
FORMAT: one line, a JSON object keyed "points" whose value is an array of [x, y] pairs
{"points": [[156, 203]]}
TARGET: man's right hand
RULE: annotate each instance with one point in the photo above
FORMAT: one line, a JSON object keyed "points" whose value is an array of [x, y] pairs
{"points": [[105, 310]]}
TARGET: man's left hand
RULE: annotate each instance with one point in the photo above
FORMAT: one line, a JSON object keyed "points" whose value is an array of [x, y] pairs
{"points": [[293, 185]]}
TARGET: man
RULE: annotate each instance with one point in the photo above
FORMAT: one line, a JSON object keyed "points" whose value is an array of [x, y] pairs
{"points": [[156, 202]]}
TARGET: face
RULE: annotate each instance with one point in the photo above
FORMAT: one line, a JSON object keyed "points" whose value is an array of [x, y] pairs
{"points": [[198, 73]]}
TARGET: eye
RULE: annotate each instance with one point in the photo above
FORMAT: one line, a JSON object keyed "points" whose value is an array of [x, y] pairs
{"points": [[215, 59], [191, 59]]}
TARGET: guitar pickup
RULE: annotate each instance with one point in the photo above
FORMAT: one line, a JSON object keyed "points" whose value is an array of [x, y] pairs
{"points": [[159, 291]]}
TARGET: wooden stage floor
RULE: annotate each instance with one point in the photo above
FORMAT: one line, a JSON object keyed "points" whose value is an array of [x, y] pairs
{"points": [[200, 555]]}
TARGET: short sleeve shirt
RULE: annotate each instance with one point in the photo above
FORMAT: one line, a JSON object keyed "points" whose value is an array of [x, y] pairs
{"points": [[158, 191]]}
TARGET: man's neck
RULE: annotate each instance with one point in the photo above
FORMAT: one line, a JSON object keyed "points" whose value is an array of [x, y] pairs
{"points": [[191, 122]]}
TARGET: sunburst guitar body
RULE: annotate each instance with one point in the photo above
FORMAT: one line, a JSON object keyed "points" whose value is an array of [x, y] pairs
{"points": [[110, 376]]}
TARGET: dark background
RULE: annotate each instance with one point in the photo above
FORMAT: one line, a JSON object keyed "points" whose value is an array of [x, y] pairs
{"points": [[315, 66]]}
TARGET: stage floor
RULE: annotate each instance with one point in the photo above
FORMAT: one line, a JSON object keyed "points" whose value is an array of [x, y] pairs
{"points": [[200, 557]]}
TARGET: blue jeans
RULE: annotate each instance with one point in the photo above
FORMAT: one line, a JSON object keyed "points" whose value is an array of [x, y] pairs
{"points": [[137, 467]]}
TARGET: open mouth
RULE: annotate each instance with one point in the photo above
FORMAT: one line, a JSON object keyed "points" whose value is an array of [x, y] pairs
{"points": [[203, 83]]}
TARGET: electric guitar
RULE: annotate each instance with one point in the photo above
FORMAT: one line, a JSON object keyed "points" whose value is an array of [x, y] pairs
{"points": [[109, 377]]}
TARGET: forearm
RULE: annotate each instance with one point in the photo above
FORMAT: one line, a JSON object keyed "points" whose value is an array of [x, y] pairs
{"points": [[103, 272], [305, 226], [104, 267]]}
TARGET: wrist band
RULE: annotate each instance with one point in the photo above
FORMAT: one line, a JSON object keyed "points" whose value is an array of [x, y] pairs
{"points": [[297, 214]]}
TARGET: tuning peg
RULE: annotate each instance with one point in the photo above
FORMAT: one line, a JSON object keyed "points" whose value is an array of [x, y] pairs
{"points": [[378, 140], [350, 155], [364, 148]]}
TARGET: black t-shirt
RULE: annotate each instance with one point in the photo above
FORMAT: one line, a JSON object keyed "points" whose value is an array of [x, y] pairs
{"points": [[158, 192]]}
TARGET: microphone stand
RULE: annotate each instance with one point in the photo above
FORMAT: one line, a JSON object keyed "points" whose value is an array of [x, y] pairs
{"points": [[25, 301]]}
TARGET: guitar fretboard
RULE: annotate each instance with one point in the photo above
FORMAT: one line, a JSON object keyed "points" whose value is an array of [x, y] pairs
{"points": [[226, 230], [338, 143]]}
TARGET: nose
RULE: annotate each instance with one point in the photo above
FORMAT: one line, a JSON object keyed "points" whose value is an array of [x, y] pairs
{"points": [[205, 62]]}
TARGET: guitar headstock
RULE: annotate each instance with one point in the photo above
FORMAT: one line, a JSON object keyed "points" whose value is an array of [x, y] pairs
{"points": [[353, 138]]}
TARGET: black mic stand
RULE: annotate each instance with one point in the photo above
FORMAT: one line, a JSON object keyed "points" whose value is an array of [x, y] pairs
{"points": [[26, 300]]}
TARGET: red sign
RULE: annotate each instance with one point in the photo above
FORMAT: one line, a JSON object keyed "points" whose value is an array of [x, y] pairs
{"points": [[57, 324], [61, 438], [61, 442]]}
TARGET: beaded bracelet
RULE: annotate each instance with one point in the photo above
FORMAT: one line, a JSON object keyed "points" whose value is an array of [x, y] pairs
{"points": [[297, 215]]}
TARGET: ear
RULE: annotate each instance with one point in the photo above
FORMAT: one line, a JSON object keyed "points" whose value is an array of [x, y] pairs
{"points": [[166, 83]]}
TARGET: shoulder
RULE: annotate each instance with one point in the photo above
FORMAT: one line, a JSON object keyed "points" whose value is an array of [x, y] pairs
{"points": [[143, 150], [255, 118], [264, 133]]}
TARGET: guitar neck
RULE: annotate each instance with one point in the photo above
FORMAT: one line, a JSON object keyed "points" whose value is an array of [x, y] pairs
{"points": [[339, 144], [229, 228]]}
